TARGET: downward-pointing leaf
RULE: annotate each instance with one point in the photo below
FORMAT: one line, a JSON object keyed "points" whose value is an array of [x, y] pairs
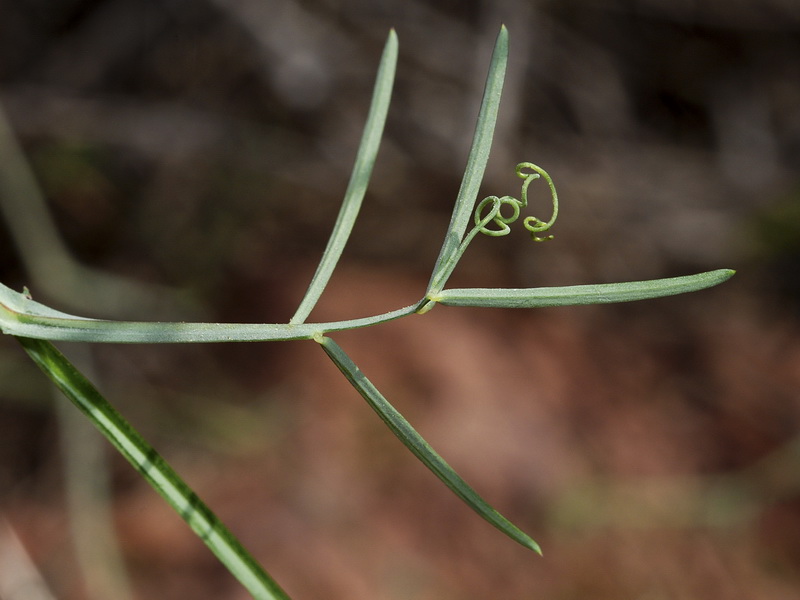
{"points": [[419, 447]]}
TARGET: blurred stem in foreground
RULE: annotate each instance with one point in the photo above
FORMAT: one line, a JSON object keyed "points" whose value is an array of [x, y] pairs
{"points": [[50, 265]]}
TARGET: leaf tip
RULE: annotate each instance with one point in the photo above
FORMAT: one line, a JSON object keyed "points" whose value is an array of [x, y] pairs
{"points": [[503, 35], [721, 275], [530, 543]]}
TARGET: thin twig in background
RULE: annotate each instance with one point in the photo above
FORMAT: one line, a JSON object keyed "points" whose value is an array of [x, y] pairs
{"points": [[47, 260]]}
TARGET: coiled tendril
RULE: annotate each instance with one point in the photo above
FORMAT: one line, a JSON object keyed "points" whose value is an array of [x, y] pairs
{"points": [[495, 205], [489, 211]]}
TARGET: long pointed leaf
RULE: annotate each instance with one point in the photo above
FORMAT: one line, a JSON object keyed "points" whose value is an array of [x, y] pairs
{"points": [[419, 447], [154, 469], [476, 163], [580, 294], [359, 179]]}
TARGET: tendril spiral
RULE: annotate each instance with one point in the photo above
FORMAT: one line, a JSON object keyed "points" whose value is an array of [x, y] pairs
{"points": [[489, 217]]}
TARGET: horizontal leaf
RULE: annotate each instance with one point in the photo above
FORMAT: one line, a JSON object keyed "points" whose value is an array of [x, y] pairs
{"points": [[603, 293], [419, 447]]}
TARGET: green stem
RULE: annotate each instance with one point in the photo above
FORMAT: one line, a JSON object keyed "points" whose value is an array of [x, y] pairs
{"points": [[21, 316], [154, 469]]}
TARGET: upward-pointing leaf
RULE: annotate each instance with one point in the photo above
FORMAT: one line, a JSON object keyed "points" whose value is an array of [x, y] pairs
{"points": [[359, 179], [476, 164]]}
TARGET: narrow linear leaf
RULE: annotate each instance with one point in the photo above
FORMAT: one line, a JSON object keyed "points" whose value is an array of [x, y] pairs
{"points": [[580, 294], [359, 179], [476, 163], [419, 447], [154, 469]]}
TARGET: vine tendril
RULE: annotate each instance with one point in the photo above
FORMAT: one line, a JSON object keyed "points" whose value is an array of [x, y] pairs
{"points": [[490, 219], [501, 222]]}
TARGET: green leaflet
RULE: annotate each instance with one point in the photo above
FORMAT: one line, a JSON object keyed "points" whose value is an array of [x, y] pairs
{"points": [[359, 179], [476, 165], [419, 447], [580, 294]]}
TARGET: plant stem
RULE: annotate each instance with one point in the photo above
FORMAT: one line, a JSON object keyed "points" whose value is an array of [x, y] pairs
{"points": [[154, 469]]}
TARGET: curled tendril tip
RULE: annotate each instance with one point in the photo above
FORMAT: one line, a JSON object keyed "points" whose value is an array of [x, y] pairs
{"points": [[489, 211]]}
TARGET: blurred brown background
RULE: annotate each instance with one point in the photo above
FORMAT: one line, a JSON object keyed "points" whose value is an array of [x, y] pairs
{"points": [[201, 149]]}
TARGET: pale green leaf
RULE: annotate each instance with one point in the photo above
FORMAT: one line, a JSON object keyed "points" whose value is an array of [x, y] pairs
{"points": [[419, 447], [359, 179], [476, 165], [580, 294]]}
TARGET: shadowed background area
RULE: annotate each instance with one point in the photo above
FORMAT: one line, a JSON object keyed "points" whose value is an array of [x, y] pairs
{"points": [[200, 151]]}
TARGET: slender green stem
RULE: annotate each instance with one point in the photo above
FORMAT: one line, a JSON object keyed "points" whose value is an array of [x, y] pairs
{"points": [[88, 487], [21, 316], [419, 447], [154, 469], [362, 170]]}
